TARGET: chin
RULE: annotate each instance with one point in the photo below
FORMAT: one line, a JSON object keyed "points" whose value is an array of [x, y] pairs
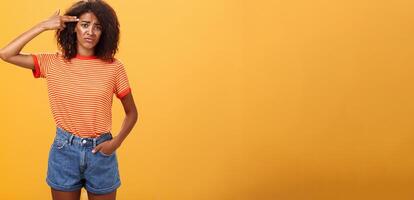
{"points": [[88, 46]]}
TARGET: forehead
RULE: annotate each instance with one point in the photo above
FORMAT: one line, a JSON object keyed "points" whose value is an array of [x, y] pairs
{"points": [[89, 16]]}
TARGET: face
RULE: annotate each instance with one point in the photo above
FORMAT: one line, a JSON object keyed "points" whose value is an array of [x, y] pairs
{"points": [[88, 31]]}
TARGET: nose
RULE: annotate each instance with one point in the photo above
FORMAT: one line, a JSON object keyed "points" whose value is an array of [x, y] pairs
{"points": [[90, 30]]}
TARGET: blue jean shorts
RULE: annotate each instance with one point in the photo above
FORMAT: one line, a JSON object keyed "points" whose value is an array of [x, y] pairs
{"points": [[72, 165]]}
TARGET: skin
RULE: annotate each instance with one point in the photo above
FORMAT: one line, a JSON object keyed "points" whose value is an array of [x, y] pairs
{"points": [[87, 27]]}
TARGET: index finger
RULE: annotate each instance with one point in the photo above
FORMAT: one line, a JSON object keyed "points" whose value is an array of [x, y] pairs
{"points": [[67, 18]]}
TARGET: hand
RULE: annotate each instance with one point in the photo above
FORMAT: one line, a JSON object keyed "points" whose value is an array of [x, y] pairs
{"points": [[107, 147], [57, 22]]}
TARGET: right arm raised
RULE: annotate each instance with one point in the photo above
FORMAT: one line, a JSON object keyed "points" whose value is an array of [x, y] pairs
{"points": [[11, 52]]}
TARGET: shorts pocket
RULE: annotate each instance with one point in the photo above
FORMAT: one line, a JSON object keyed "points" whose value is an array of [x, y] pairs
{"points": [[106, 155], [59, 143]]}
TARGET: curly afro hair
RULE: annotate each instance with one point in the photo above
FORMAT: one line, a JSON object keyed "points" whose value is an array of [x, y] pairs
{"points": [[107, 46]]}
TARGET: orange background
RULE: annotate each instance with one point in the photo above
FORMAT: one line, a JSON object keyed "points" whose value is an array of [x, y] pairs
{"points": [[246, 100]]}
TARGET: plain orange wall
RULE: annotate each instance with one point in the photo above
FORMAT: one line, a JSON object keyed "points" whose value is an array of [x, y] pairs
{"points": [[246, 100]]}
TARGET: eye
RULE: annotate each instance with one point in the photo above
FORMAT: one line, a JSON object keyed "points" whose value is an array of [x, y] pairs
{"points": [[84, 25]]}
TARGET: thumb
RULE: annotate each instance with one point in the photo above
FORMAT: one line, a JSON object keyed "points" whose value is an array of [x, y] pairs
{"points": [[56, 13], [97, 148]]}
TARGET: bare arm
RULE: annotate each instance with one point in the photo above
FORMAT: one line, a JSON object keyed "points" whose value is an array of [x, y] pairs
{"points": [[131, 117], [11, 52]]}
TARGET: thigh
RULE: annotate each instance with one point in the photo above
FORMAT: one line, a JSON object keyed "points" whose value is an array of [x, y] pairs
{"points": [[62, 195], [109, 196]]}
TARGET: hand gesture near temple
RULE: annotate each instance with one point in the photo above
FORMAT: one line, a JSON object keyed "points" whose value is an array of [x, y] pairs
{"points": [[57, 22]]}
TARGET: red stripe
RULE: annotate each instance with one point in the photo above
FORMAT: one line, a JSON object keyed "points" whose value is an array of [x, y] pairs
{"points": [[36, 70], [124, 93]]}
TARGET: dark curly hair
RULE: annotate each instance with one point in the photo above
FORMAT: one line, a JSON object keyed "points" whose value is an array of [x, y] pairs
{"points": [[107, 46]]}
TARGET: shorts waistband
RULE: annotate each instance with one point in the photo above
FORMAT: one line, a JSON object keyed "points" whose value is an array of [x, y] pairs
{"points": [[87, 142]]}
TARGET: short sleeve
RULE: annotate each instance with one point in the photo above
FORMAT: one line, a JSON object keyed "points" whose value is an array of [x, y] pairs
{"points": [[122, 87], [42, 64]]}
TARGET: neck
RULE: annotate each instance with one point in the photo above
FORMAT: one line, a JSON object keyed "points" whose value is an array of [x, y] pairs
{"points": [[86, 52]]}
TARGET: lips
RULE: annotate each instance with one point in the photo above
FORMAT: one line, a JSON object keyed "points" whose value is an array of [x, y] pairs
{"points": [[89, 40]]}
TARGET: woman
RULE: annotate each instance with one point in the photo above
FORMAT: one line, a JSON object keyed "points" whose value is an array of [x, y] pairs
{"points": [[81, 79]]}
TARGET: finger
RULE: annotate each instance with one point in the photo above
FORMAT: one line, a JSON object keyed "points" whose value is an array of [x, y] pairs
{"points": [[55, 13], [96, 149], [69, 19]]}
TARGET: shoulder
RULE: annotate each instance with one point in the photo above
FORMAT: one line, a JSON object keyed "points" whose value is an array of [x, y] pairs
{"points": [[117, 62], [49, 55], [47, 58], [55, 54]]}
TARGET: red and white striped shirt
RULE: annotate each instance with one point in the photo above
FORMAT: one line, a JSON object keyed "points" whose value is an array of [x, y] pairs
{"points": [[81, 91]]}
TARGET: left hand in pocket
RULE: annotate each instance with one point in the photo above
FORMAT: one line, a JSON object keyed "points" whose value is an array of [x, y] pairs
{"points": [[107, 147]]}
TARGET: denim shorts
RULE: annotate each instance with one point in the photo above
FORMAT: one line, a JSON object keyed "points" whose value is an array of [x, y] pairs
{"points": [[72, 165]]}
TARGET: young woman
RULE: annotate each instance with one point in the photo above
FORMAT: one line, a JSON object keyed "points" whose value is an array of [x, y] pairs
{"points": [[82, 79]]}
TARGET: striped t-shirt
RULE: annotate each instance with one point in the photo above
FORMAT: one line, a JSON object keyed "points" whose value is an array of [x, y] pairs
{"points": [[81, 91]]}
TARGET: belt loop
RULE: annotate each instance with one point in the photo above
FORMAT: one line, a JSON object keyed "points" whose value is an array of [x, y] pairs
{"points": [[94, 142], [70, 139]]}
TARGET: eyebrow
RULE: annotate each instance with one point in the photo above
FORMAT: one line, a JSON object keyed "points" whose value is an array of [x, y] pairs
{"points": [[90, 22]]}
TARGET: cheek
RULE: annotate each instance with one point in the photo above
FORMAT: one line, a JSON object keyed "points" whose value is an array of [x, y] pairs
{"points": [[81, 32], [78, 36], [78, 31], [98, 36]]}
